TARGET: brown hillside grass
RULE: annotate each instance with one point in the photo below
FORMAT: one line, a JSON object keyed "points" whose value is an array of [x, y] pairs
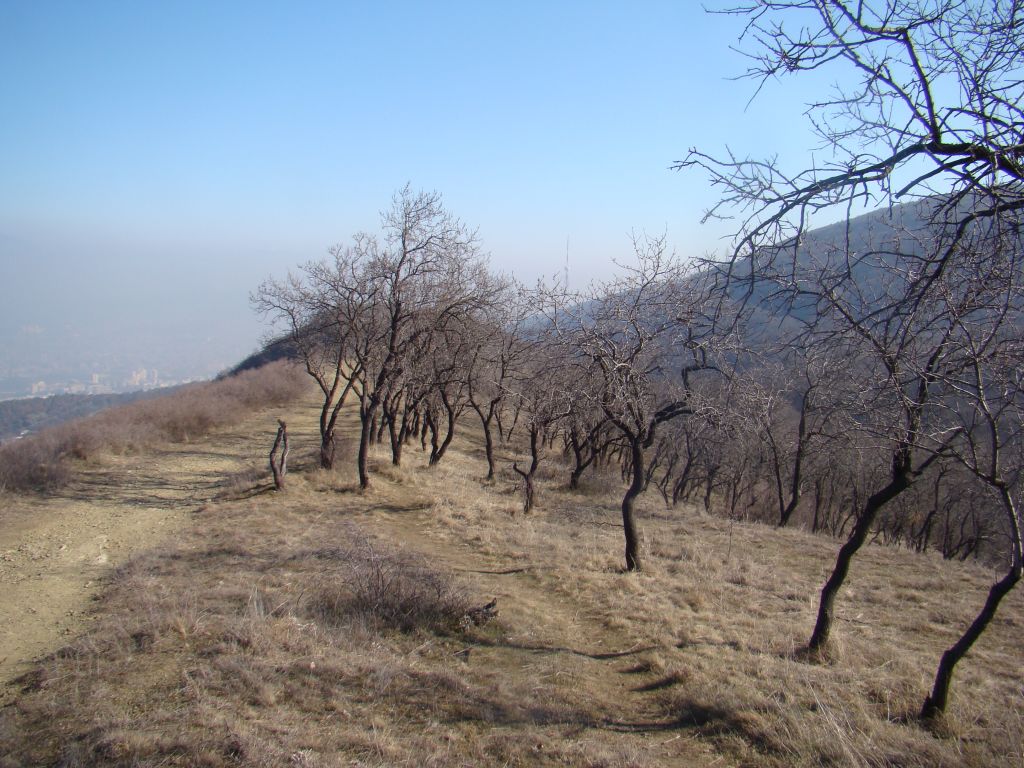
{"points": [[321, 627], [43, 462]]}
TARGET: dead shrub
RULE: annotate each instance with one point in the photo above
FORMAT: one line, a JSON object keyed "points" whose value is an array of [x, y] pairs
{"points": [[388, 590], [33, 464]]}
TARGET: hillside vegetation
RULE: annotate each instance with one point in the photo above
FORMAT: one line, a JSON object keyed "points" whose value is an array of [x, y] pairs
{"points": [[42, 462], [325, 627], [33, 414]]}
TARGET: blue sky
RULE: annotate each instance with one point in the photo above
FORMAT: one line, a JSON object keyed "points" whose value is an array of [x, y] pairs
{"points": [[165, 157]]}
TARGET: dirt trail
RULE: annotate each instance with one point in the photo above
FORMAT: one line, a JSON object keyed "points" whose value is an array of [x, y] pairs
{"points": [[55, 551]]}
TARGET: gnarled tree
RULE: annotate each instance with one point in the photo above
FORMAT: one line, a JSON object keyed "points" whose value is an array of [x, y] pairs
{"points": [[927, 110]]}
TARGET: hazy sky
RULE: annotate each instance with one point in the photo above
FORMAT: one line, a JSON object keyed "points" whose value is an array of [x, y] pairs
{"points": [[158, 160]]}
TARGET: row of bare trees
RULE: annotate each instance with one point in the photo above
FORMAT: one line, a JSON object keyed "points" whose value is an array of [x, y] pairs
{"points": [[865, 381], [874, 409], [927, 321]]}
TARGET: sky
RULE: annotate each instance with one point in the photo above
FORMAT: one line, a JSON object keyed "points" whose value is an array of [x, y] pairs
{"points": [[159, 160]]}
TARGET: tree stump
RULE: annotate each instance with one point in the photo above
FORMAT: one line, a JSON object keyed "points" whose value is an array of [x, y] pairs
{"points": [[279, 463]]}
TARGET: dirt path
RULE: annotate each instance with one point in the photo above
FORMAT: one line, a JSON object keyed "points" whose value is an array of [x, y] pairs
{"points": [[548, 634], [55, 551]]}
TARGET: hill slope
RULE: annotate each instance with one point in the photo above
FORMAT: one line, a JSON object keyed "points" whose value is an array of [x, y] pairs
{"points": [[320, 627], [31, 414]]}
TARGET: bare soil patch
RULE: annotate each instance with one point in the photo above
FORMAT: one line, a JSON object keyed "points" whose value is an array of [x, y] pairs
{"points": [[55, 551]]}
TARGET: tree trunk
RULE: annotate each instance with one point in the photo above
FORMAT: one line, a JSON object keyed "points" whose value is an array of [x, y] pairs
{"points": [[681, 487], [790, 508], [708, 489], [327, 451], [935, 704], [628, 506], [826, 607], [528, 488], [488, 448], [395, 436], [577, 471], [365, 436], [425, 429], [796, 485], [437, 451], [279, 466]]}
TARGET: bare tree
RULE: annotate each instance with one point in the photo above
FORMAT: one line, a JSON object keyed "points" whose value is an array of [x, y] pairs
{"points": [[425, 274], [933, 106], [279, 456], [365, 320], [638, 335], [497, 360], [934, 116], [317, 308], [588, 433], [986, 392], [543, 393], [790, 400]]}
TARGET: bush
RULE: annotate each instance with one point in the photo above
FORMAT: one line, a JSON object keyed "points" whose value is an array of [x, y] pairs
{"points": [[33, 464], [388, 590]]}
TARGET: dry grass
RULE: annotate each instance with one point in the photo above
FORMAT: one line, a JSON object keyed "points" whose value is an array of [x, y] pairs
{"points": [[43, 462], [319, 628]]}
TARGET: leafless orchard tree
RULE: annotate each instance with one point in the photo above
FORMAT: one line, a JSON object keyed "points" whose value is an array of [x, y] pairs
{"points": [[986, 392], [424, 275], [588, 432], [931, 113], [639, 335], [933, 106], [364, 321], [815, 419], [542, 393], [497, 359], [318, 307]]}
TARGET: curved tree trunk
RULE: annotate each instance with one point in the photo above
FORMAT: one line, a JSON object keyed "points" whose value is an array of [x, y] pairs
{"points": [[488, 448], [636, 487], [528, 488], [327, 451], [935, 703], [395, 436], [796, 484], [365, 437], [826, 606], [279, 464], [437, 451]]}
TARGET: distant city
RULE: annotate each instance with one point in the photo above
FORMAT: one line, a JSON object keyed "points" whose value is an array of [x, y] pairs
{"points": [[41, 362], [97, 384], [87, 371]]}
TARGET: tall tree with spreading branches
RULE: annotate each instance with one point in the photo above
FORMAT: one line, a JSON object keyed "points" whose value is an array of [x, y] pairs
{"points": [[926, 110]]}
